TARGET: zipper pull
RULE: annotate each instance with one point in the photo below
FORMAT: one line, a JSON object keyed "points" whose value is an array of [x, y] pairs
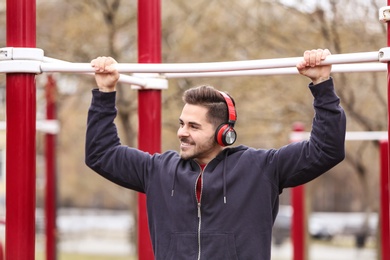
{"points": [[198, 209]]}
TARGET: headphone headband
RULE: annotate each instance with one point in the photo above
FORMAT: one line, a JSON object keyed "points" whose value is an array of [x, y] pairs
{"points": [[231, 110], [225, 133]]}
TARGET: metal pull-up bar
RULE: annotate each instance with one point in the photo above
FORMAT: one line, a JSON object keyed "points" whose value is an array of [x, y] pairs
{"points": [[349, 136], [33, 60], [215, 66], [154, 75], [337, 68]]}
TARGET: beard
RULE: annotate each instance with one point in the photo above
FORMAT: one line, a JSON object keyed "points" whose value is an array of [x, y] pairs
{"points": [[197, 150]]}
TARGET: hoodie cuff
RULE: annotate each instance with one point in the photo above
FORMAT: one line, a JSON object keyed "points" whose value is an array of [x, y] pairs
{"points": [[322, 89], [324, 95], [103, 99]]}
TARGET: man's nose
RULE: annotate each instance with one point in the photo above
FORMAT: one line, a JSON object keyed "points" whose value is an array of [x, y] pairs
{"points": [[182, 131]]}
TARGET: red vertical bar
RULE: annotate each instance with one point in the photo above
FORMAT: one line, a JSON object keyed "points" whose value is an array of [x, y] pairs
{"points": [[50, 191], [149, 106], [385, 247], [384, 201], [20, 138], [298, 230], [298, 225]]}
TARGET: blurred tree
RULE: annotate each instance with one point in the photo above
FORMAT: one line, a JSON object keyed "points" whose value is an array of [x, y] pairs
{"points": [[105, 33]]}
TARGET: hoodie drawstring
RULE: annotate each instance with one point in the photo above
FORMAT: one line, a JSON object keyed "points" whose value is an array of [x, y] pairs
{"points": [[174, 179], [224, 178]]}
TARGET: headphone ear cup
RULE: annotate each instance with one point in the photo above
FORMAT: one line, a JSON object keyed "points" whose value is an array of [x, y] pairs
{"points": [[219, 134], [225, 135]]}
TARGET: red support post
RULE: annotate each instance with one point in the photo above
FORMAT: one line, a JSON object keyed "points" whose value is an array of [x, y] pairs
{"points": [[20, 138], [1, 252], [50, 191], [385, 210], [384, 201], [149, 106], [298, 225]]}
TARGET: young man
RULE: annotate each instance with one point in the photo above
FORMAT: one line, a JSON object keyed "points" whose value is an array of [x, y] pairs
{"points": [[210, 201]]}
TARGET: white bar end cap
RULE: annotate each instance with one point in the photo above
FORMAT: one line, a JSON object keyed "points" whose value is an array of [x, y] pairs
{"points": [[384, 14]]}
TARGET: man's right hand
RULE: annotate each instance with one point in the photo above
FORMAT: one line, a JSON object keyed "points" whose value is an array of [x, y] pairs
{"points": [[106, 74]]}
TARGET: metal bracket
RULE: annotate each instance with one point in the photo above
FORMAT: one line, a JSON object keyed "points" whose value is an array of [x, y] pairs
{"points": [[20, 60], [13, 53], [152, 81]]}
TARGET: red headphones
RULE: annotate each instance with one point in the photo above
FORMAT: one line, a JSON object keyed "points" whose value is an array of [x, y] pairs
{"points": [[225, 133]]}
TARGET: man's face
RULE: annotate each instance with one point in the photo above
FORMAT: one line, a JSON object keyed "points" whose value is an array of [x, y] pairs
{"points": [[196, 135]]}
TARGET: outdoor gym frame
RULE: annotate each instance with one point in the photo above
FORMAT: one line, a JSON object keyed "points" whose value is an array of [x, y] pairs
{"points": [[21, 105], [299, 218]]}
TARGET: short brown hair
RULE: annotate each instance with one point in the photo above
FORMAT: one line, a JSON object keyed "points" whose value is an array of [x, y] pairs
{"points": [[210, 98]]}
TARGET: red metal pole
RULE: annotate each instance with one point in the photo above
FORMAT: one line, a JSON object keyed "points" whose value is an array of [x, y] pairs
{"points": [[298, 225], [149, 106], [2, 253], [298, 230], [20, 138], [385, 208], [384, 201], [50, 191]]}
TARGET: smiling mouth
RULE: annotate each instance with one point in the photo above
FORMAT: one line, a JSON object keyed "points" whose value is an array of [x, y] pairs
{"points": [[183, 144]]}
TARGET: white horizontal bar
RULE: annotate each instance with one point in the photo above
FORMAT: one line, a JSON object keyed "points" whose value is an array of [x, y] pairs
{"points": [[360, 67], [350, 136], [49, 126], [338, 68], [122, 78], [211, 69], [211, 66], [20, 66]]}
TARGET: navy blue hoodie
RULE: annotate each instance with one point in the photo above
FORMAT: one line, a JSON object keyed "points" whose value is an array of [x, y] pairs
{"points": [[240, 187]]}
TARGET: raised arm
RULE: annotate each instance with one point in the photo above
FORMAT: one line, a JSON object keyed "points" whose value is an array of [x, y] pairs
{"points": [[104, 153], [301, 162]]}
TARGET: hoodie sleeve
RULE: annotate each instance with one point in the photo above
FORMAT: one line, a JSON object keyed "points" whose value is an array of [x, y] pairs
{"points": [[104, 153], [301, 162]]}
